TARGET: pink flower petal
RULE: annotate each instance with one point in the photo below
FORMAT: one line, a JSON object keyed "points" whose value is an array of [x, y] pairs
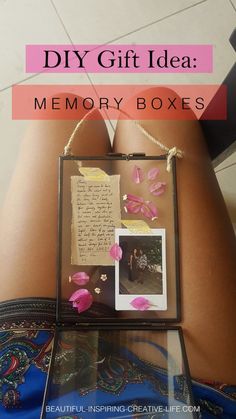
{"points": [[152, 173], [149, 210], [140, 303], [133, 207], [157, 188], [137, 175], [115, 252], [135, 204], [134, 198], [80, 278], [81, 299]]}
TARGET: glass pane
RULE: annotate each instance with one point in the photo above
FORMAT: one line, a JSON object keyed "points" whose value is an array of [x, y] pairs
{"points": [[96, 209], [118, 374]]}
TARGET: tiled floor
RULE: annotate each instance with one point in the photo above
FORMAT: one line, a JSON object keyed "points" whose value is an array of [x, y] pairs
{"points": [[91, 21]]}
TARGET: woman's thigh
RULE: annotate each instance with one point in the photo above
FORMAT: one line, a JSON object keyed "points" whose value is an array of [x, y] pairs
{"points": [[207, 246], [28, 230]]}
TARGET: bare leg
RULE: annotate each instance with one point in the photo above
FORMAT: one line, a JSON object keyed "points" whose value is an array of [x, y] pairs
{"points": [[28, 231], [207, 246]]}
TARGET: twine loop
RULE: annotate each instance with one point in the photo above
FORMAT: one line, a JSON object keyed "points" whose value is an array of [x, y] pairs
{"points": [[173, 152], [170, 152]]}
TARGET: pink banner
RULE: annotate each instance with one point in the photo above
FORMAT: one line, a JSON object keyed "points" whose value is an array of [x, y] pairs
{"points": [[119, 58], [173, 102]]}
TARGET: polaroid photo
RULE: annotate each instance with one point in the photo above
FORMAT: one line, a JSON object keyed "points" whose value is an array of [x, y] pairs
{"points": [[141, 272]]}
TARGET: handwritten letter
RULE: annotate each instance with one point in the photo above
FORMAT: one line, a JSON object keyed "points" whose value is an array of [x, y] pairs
{"points": [[95, 215]]}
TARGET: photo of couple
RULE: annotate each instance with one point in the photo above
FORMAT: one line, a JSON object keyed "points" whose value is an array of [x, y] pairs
{"points": [[141, 265]]}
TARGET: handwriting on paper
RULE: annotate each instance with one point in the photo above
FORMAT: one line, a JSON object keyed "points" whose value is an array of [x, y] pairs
{"points": [[95, 215]]}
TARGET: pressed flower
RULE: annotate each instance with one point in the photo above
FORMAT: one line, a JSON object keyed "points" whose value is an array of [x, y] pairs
{"points": [[81, 299], [132, 207], [149, 210], [137, 175], [134, 198], [157, 188], [152, 173], [141, 303], [103, 277], [79, 278], [97, 290], [115, 252], [135, 204]]}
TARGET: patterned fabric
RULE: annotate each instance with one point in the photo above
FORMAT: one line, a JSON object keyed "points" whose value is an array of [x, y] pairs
{"points": [[112, 374], [25, 355], [116, 367], [24, 361]]}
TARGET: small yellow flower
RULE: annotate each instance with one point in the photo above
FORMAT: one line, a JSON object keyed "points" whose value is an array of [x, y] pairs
{"points": [[97, 290], [103, 277]]}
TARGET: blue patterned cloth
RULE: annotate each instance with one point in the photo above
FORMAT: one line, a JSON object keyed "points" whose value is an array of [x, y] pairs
{"points": [[24, 362]]}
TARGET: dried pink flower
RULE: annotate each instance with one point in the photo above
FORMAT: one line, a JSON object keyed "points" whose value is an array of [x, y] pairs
{"points": [[149, 210], [134, 198], [140, 303], [152, 173], [157, 188], [135, 204], [79, 278], [81, 299], [132, 207], [137, 175], [115, 252]]}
